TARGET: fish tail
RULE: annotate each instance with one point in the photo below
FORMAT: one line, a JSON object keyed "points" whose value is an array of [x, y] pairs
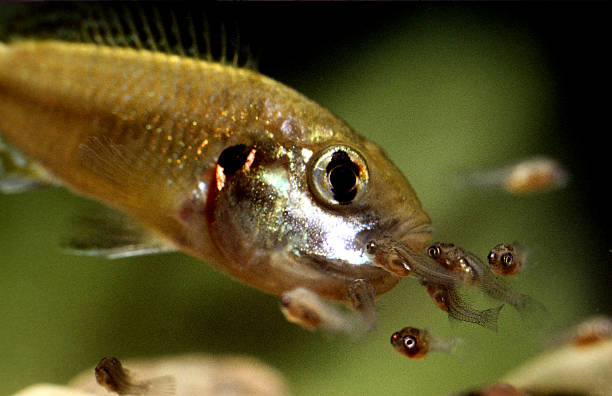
{"points": [[459, 310], [523, 303], [447, 345], [531, 310], [489, 317]]}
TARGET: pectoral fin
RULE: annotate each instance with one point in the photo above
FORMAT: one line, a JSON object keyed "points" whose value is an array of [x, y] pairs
{"points": [[18, 173], [110, 234]]}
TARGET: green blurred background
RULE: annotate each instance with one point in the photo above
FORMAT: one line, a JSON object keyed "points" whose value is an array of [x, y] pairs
{"points": [[446, 89]]}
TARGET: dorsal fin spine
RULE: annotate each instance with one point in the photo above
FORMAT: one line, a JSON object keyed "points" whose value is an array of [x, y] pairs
{"points": [[147, 29], [132, 27], [223, 45], [162, 32], [97, 35], [85, 33], [177, 35], [236, 57], [172, 32], [206, 34], [108, 34], [194, 42], [119, 27]]}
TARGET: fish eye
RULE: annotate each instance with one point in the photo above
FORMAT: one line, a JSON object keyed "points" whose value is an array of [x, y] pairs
{"points": [[434, 251], [286, 301], [507, 259], [410, 342], [338, 175], [233, 158]]}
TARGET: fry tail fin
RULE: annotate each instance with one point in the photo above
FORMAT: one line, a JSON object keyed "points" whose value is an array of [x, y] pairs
{"points": [[490, 317], [460, 310]]}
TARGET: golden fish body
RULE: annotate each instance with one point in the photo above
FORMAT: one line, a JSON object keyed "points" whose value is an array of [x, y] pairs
{"points": [[145, 132]]}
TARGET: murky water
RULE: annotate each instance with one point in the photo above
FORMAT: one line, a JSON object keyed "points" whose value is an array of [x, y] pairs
{"points": [[445, 90]]}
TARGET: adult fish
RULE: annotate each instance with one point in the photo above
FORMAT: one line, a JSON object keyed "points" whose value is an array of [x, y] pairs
{"points": [[211, 159]]}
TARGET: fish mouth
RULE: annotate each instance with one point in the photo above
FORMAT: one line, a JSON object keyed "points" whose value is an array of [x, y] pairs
{"points": [[417, 237], [408, 231], [415, 231]]}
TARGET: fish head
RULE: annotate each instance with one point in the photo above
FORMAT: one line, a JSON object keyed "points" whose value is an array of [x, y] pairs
{"points": [[289, 214]]}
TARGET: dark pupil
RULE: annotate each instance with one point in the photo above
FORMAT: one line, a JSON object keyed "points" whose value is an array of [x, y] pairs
{"points": [[342, 174], [409, 342], [434, 251], [507, 259], [232, 158]]}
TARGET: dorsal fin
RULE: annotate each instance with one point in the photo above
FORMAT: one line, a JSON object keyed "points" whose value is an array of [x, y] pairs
{"points": [[174, 30]]}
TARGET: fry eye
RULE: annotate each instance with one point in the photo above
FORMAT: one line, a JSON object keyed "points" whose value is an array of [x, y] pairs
{"points": [[338, 175], [434, 251], [410, 342], [507, 259], [371, 248], [286, 301]]}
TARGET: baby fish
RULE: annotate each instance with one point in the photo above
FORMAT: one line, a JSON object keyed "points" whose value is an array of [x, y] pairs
{"points": [[214, 160], [592, 331], [306, 308], [500, 389], [111, 375], [532, 175], [442, 270], [417, 343], [448, 299], [389, 259], [400, 259], [505, 259], [470, 266], [455, 259]]}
